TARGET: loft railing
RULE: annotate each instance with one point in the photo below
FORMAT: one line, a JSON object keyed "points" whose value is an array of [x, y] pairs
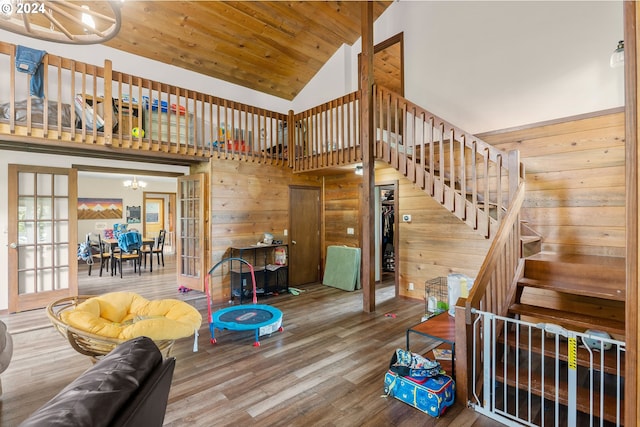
{"points": [[327, 135], [98, 106]]}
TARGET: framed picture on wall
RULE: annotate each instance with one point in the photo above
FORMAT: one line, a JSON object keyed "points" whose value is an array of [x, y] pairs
{"points": [[133, 215], [152, 212], [93, 208]]}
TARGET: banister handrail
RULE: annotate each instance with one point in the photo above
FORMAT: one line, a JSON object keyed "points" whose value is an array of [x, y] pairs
{"points": [[469, 139], [504, 236]]}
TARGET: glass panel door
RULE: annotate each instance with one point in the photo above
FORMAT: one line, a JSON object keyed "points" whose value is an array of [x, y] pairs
{"points": [[42, 235], [192, 231]]}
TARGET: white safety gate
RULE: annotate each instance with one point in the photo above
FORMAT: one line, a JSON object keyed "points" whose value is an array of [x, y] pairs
{"points": [[545, 375]]}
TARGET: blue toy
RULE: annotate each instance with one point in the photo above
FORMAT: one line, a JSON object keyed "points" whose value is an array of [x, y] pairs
{"points": [[261, 318]]}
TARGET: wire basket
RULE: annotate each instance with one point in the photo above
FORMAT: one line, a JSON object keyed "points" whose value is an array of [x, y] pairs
{"points": [[436, 296]]}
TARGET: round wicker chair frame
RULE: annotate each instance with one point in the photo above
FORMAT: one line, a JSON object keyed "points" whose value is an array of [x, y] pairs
{"points": [[84, 342]]}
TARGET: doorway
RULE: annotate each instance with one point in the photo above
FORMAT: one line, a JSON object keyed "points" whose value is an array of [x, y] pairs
{"points": [[159, 214], [386, 237]]}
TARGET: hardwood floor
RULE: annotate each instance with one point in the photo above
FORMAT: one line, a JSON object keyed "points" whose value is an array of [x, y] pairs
{"points": [[325, 369]]}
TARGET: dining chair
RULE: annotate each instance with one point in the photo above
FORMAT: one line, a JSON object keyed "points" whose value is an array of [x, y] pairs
{"points": [[157, 249], [131, 252], [99, 253]]}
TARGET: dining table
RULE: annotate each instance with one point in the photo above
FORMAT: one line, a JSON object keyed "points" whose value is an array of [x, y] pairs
{"points": [[113, 245]]}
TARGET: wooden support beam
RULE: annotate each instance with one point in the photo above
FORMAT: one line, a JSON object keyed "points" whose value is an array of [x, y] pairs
{"points": [[632, 321], [366, 142]]}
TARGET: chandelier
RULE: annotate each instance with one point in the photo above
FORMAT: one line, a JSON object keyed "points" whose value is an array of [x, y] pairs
{"points": [[62, 21], [134, 184]]}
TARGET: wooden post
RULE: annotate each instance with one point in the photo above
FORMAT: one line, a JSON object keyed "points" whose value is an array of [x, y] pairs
{"points": [[291, 140], [108, 102], [632, 321], [463, 362], [368, 185]]}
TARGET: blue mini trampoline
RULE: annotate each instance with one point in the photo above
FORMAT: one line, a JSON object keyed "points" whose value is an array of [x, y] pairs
{"points": [[261, 318]]}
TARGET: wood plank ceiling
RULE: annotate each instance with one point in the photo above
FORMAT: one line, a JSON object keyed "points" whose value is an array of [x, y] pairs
{"points": [[275, 47]]}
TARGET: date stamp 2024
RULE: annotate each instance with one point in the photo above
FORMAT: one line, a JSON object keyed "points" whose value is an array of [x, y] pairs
{"points": [[8, 8]]}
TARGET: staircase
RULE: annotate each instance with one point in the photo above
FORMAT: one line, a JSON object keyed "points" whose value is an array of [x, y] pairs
{"points": [[578, 293], [484, 187]]}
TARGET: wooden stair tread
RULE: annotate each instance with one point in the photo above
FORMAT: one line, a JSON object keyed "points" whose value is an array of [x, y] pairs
{"points": [[569, 320], [530, 239], [610, 362], [548, 390], [603, 292], [618, 262], [576, 270]]}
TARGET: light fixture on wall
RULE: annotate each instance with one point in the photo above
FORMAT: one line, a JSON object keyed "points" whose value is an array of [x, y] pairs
{"points": [[359, 170], [135, 184], [617, 57]]}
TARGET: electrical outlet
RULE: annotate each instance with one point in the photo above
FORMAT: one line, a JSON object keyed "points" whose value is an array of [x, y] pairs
{"points": [[350, 231], [411, 286]]}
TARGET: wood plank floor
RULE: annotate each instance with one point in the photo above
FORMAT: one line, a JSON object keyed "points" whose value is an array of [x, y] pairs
{"points": [[325, 369]]}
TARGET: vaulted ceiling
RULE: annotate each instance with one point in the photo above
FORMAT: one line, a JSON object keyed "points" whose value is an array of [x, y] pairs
{"points": [[275, 47]]}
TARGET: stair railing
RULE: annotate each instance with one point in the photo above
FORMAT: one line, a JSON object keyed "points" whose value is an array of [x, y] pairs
{"points": [[468, 176], [493, 290]]}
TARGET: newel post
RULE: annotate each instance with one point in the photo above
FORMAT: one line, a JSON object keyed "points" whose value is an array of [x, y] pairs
{"points": [[515, 174], [108, 102], [464, 348]]}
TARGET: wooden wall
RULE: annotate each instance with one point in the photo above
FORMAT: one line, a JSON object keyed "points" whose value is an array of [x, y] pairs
{"points": [[575, 181], [246, 201], [575, 199], [434, 244], [341, 197]]}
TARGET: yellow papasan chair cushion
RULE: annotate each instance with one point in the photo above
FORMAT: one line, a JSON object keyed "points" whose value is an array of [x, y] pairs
{"points": [[126, 315]]}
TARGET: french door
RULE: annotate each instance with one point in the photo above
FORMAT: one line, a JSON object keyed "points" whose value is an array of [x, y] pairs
{"points": [[42, 235], [193, 231]]}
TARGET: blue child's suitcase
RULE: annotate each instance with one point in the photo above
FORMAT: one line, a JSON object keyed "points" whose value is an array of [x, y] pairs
{"points": [[432, 395]]}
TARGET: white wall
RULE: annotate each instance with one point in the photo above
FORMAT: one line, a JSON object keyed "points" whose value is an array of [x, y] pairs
{"points": [[493, 65], [146, 68], [101, 185]]}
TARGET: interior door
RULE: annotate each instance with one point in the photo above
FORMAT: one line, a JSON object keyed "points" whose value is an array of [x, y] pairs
{"points": [[153, 216], [193, 231], [42, 234], [304, 237]]}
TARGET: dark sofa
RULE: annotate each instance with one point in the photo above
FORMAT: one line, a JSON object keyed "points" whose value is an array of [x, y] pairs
{"points": [[128, 387]]}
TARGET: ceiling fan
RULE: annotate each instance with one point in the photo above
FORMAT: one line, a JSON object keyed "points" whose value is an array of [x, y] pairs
{"points": [[62, 21]]}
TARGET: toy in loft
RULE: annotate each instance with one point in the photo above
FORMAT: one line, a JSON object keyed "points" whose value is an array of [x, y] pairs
{"points": [[62, 21], [261, 318]]}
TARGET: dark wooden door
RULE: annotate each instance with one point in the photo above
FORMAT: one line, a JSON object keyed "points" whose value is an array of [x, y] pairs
{"points": [[304, 236]]}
